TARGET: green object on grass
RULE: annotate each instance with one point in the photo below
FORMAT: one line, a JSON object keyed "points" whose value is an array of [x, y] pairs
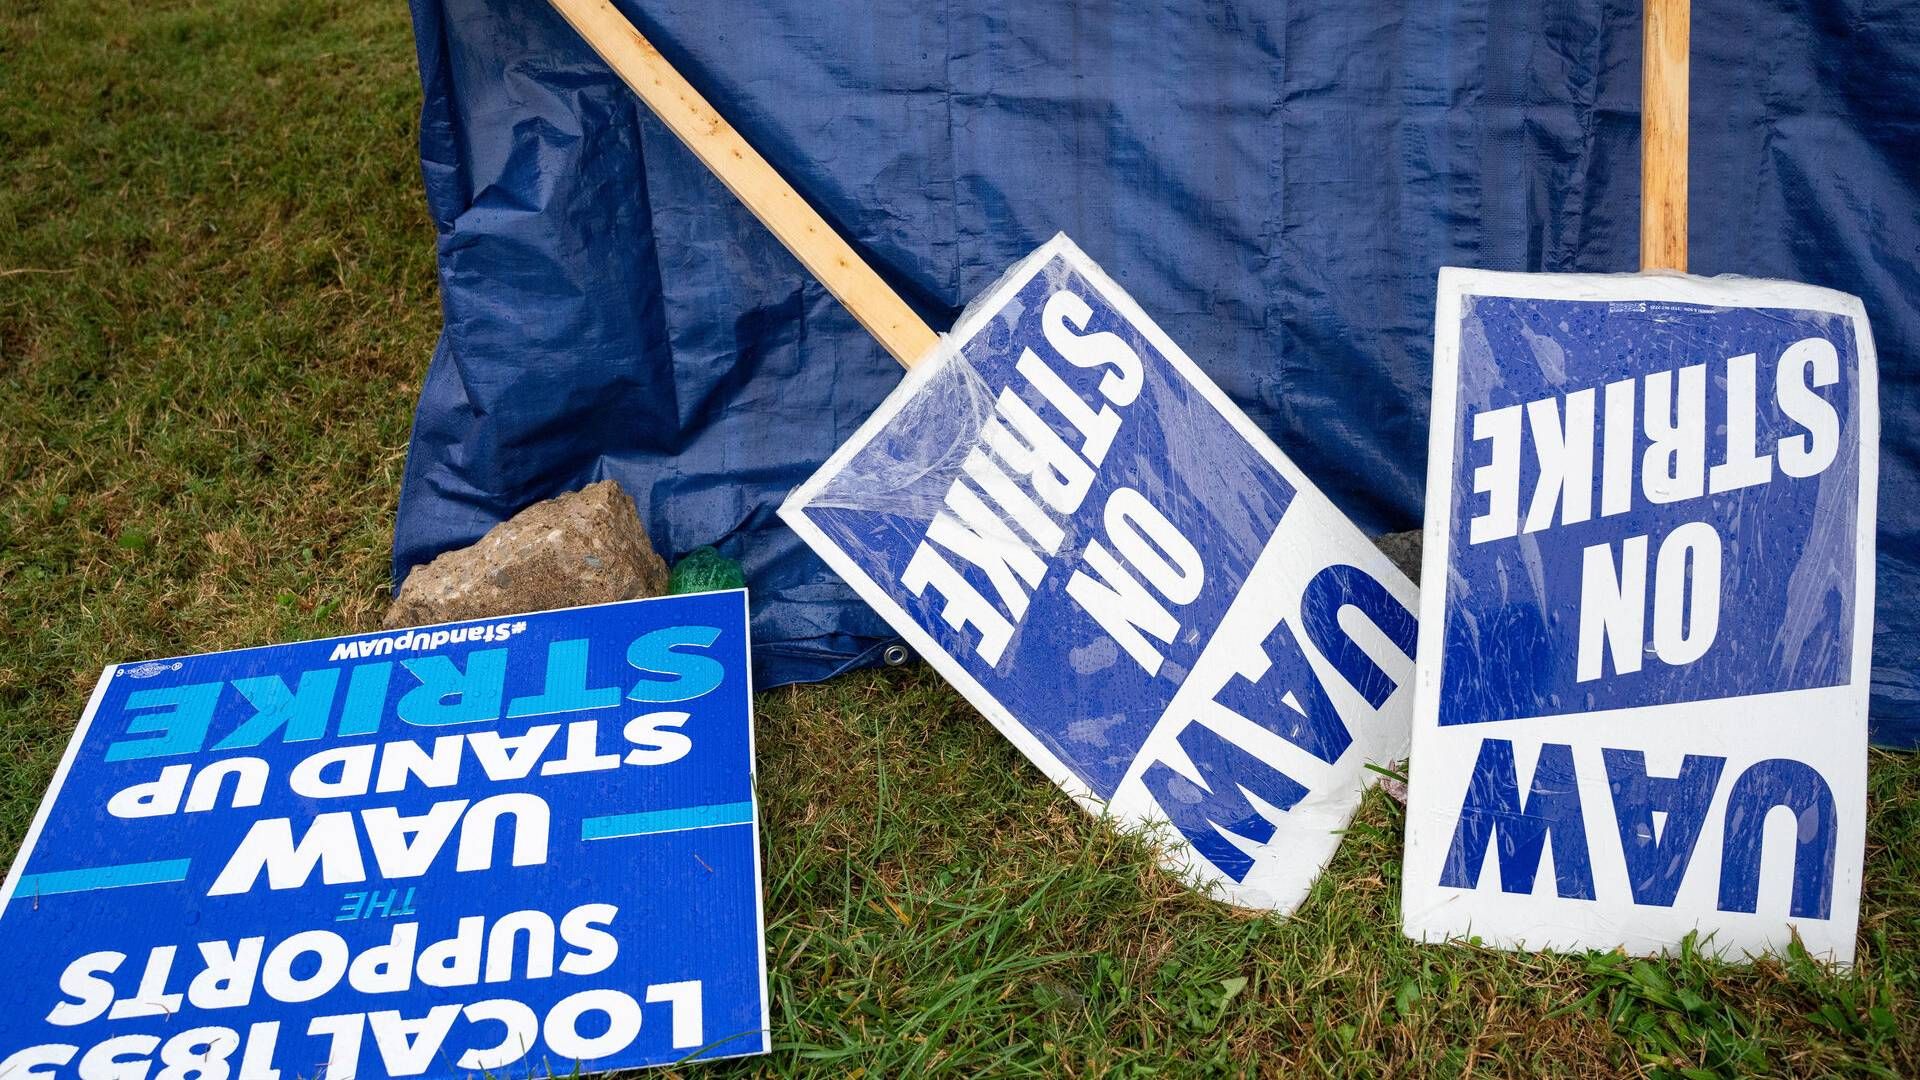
{"points": [[705, 570]]}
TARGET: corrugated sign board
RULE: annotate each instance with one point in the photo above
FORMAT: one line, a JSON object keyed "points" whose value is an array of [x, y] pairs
{"points": [[517, 843]]}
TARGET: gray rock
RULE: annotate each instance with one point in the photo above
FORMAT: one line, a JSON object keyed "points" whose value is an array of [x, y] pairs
{"points": [[1404, 549], [585, 547]]}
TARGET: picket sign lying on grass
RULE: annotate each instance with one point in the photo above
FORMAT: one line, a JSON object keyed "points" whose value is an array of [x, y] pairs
{"points": [[1645, 641], [504, 845], [1087, 538]]}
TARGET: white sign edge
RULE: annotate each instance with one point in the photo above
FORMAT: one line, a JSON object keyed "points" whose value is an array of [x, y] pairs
{"points": [[31, 841]]}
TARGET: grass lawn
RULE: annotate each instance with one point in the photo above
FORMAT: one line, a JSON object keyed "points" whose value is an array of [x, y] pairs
{"points": [[217, 301]]}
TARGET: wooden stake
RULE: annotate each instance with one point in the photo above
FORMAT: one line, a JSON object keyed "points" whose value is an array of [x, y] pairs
{"points": [[745, 173], [1663, 135]]}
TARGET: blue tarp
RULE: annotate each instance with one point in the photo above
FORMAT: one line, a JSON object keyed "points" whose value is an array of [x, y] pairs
{"points": [[1275, 183]]}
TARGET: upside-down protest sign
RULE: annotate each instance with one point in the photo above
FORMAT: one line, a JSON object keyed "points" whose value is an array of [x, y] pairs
{"points": [[1083, 534], [526, 843], [1646, 637]]}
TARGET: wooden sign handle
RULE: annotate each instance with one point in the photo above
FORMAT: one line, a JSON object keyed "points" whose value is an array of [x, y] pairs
{"points": [[1663, 135], [745, 173]]}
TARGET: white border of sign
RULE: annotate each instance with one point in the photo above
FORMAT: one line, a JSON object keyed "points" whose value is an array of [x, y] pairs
{"points": [[1309, 502], [1432, 913]]}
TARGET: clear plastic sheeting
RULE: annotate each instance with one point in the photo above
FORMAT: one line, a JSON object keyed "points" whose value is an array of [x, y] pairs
{"points": [[1106, 557], [1692, 431], [1277, 183], [909, 473], [940, 411]]}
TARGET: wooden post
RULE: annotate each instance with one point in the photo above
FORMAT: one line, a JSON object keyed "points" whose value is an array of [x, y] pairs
{"points": [[1663, 135], [745, 173]]}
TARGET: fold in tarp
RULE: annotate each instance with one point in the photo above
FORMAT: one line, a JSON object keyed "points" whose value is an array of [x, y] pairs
{"points": [[1276, 183]]}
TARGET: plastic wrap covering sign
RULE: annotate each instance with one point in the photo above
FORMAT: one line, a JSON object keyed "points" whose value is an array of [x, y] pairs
{"points": [[477, 848], [1089, 540], [1642, 705]]}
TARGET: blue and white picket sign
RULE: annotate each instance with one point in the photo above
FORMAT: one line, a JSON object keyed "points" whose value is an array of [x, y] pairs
{"points": [[1645, 644], [1087, 538], [522, 843]]}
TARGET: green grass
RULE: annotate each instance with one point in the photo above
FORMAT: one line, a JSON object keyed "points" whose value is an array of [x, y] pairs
{"points": [[216, 304]]}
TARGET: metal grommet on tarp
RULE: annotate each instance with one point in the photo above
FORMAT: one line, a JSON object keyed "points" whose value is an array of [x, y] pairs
{"points": [[896, 654]]}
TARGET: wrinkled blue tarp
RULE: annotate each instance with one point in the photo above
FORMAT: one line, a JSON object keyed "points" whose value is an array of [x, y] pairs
{"points": [[1275, 183]]}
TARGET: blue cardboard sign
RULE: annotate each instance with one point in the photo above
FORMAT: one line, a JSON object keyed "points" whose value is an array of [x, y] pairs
{"points": [[1071, 522], [1651, 503], [516, 843]]}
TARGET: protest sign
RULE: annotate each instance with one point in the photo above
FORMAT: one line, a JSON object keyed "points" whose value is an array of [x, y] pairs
{"points": [[1080, 531], [1646, 635], [513, 844]]}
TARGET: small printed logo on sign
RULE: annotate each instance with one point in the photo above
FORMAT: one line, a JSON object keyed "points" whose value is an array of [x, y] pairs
{"points": [[1084, 535], [1651, 503]]}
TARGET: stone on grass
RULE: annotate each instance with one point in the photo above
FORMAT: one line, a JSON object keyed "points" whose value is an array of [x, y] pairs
{"points": [[1403, 548], [585, 547]]}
